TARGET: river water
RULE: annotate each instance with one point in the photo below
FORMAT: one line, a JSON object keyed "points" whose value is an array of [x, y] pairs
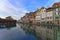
{"points": [[15, 33]]}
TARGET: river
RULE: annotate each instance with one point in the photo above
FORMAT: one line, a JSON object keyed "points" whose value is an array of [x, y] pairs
{"points": [[15, 33]]}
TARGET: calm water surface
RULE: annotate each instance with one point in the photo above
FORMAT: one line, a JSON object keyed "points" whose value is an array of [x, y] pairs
{"points": [[15, 33]]}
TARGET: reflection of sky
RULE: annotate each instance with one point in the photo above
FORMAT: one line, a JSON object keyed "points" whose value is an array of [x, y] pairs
{"points": [[15, 34]]}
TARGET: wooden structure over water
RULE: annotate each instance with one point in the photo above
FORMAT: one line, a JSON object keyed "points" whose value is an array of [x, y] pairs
{"points": [[7, 23]]}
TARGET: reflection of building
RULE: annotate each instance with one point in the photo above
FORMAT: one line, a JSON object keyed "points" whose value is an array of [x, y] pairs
{"points": [[41, 32], [56, 12]]}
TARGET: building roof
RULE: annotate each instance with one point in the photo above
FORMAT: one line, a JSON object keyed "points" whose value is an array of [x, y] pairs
{"points": [[7, 20], [57, 4], [49, 9], [31, 14]]}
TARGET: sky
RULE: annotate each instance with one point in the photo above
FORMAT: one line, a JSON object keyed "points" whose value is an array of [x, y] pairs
{"points": [[18, 8]]}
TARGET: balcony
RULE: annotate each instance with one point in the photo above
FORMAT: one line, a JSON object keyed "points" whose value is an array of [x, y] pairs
{"points": [[57, 18]]}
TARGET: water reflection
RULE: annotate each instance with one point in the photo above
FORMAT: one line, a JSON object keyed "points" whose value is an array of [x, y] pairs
{"points": [[7, 25], [42, 32], [29, 29], [15, 33]]}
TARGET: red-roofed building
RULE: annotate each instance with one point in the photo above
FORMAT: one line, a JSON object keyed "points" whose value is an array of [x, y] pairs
{"points": [[56, 5], [49, 15], [56, 12], [32, 17]]}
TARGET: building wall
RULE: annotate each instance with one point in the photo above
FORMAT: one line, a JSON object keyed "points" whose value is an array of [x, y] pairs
{"points": [[38, 17], [32, 17], [56, 15], [43, 15], [49, 16]]}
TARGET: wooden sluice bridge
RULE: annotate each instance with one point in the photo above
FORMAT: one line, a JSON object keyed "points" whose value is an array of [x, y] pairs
{"points": [[7, 23]]}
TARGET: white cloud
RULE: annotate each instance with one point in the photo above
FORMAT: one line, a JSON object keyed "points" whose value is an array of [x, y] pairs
{"points": [[57, 0], [7, 7], [2, 16], [51, 2]]}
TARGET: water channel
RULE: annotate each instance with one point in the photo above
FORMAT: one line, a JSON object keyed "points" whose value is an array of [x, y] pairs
{"points": [[15, 33], [30, 32]]}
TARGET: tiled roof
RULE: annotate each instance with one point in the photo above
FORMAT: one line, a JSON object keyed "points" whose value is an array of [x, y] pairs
{"points": [[49, 9], [6, 20], [56, 4]]}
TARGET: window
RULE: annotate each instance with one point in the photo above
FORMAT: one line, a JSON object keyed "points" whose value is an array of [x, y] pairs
{"points": [[42, 18], [47, 17], [59, 11], [50, 17], [56, 11]]}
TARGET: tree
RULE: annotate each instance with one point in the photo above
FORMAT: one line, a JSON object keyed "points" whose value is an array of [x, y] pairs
{"points": [[9, 17]]}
